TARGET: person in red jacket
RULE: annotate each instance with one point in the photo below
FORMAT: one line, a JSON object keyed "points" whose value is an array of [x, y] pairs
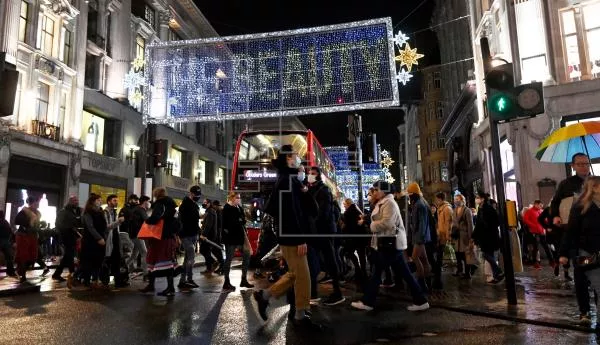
{"points": [[537, 230]]}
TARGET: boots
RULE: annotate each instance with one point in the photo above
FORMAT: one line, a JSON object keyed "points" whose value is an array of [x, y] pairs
{"points": [[246, 284]]}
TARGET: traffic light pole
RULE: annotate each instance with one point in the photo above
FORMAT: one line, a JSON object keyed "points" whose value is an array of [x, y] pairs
{"points": [[358, 135], [511, 292]]}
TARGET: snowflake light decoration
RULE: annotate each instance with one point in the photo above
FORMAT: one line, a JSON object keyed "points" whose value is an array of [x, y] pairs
{"points": [[407, 56], [138, 63], [133, 79], [403, 76], [387, 161], [136, 98]]}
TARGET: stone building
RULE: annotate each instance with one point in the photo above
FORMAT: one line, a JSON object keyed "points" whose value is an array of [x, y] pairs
{"points": [[410, 148]]}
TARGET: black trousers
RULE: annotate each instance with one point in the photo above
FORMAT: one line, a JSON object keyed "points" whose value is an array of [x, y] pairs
{"points": [[360, 262], [326, 248], [68, 259], [208, 251]]}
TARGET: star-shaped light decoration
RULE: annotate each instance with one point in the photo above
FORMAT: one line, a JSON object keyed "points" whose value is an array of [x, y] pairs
{"points": [[385, 153], [387, 161], [403, 76], [138, 63], [390, 179], [133, 79], [408, 57], [400, 39]]}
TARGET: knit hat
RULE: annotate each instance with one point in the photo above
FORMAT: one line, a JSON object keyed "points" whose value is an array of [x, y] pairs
{"points": [[413, 188]]}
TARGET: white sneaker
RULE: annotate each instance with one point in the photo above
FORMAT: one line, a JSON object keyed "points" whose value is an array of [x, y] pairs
{"points": [[315, 300], [361, 306], [421, 307]]}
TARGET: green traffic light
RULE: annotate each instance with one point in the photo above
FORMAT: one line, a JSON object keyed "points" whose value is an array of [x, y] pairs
{"points": [[501, 104]]}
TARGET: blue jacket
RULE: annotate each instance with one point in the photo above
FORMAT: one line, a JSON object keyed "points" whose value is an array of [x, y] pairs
{"points": [[419, 223]]}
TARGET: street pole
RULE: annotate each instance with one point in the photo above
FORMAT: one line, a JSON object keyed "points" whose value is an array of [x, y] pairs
{"points": [[358, 135], [511, 292]]}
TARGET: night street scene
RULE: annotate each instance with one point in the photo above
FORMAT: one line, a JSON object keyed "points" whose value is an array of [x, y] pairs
{"points": [[309, 172]]}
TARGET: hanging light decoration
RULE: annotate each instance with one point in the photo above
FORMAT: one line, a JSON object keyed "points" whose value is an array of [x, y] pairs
{"points": [[407, 57]]}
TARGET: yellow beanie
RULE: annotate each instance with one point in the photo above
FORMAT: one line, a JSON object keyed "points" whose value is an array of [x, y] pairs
{"points": [[413, 188]]}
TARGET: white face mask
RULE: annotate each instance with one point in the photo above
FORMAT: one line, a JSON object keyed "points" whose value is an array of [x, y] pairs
{"points": [[298, 162], [312, 178], [301, 175]]}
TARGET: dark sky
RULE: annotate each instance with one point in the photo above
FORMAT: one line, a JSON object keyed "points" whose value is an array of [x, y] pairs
{"points": [[234, 17]]}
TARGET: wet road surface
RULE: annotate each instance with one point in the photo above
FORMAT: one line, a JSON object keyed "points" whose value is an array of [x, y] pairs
{"points": [[206, 316]]}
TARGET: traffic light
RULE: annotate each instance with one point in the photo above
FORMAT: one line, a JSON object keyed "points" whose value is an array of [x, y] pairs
{"points": [[507, 102]]}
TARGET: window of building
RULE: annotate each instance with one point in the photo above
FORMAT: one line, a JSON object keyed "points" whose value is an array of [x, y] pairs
{"points": [[175, 158], [434, 173], [23, 21], [441, 142], [531, 40], [42, 100], [437, 80], [140, 45], [444, 171], [93, 132], [431, 111], [46, 36], [433, 143], [62, 110], [67, 46], [150, 16], [439, 110], [220, 178], [418, 152], [18, 98], [201, 171], [177, 127], [591, 18]]}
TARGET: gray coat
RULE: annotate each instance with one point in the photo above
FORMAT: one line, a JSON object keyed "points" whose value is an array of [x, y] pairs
{"points": [[465, 225]]}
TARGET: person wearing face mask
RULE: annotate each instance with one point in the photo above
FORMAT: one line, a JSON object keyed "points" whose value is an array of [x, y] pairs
{"points": [[92, 243], [235, 237], [290, 224], [486, 234], [189, 216], [324, 224]]}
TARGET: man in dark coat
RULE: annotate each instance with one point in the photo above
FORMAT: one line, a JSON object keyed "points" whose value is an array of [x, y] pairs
{"points": [[189, 216], [69, 225], [210, 231]]}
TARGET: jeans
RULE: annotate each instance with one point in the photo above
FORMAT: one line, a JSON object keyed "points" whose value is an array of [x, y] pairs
{"points": [[7, 250], [419, 257], [541, 239], [189, 246], [491, 259], [382, 259], [139, 249], [229, 253]]}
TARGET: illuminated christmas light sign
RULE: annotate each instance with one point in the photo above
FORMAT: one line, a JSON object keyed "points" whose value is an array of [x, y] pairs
{"points": [[343, 67]]}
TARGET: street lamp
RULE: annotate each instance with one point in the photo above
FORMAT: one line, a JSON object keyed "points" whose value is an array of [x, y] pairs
{"points": [[132, 150]]}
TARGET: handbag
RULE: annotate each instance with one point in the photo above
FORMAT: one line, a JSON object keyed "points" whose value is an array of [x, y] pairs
{"points": [[588, 262], [151, 230]]}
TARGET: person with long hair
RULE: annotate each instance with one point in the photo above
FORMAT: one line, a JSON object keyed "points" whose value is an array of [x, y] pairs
{"points": [[462, 227], [93, 244], [582, 242], [28, 220], [161, 258], [235, 237]]}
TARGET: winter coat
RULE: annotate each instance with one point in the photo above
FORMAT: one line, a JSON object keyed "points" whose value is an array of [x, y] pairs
{"points": [[583, 231], [234, 225], [444, 222], [464, 224], [68, 222], [28, 221], [165, 209], [486, 234], [189, 216], [531, 219], [210, 225], [419, 221], [286, 207], [325, 221], [386, 221]]}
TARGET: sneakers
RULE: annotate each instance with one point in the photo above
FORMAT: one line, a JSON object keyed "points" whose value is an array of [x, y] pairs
{"points": [[421, 307], [246, 284], [192, 284], [262, 304], [184, 286], [315, 300], [45, 272], [585, 319], [334, 299], [307, 324], [167, 293], [361, 306], [227, 287], [59, 279]]}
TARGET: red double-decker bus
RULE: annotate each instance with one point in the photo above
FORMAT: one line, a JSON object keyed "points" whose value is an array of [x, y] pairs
{"points": [[253, 175]]}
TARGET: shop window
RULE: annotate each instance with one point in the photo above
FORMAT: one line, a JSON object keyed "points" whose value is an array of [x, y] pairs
{"points": [[42, 100], [175, 158], [46, 35], [201, 171], [220, 178], [23, 21], [67, 46], [105, 191], [93, 136]]}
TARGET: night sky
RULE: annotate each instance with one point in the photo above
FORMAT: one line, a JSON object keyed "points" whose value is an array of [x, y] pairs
{"points": [[234, 17]]}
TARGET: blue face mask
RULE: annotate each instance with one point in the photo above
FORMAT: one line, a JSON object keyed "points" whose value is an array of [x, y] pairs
{"points": [[301, 175]]}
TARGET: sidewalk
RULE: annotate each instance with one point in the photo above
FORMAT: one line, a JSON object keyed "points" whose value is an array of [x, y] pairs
{"points": [[10, 286], [543, 299]]}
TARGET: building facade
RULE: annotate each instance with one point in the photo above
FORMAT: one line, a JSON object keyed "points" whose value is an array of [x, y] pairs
{"points": [[410, 158], [434, 162], [76, 129]]}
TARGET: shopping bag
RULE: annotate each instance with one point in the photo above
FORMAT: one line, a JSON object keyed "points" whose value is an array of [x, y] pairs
{"points": [[151, 230], [449, 254]]}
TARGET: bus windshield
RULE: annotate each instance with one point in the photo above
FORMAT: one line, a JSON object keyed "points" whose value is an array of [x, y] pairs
{"points": [[262, 147]]}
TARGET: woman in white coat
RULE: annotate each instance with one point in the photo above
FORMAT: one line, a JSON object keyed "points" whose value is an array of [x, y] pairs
{"points": [[388, 243]]}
